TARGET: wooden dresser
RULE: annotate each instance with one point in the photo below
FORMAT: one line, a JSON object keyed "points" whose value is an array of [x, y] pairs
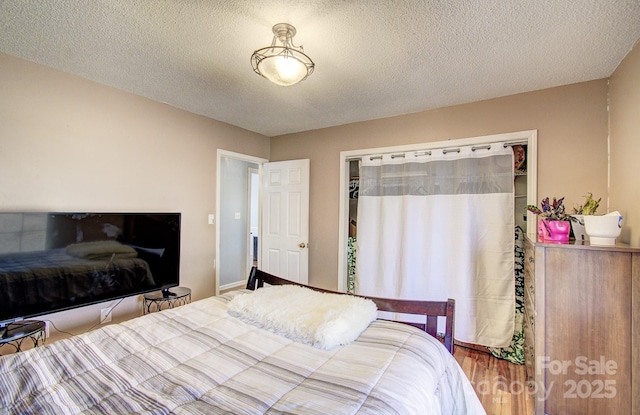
{"points": [[582, 328]]}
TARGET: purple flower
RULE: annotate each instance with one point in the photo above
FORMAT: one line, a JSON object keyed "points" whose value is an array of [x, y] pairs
{"points": [[550, 210]]}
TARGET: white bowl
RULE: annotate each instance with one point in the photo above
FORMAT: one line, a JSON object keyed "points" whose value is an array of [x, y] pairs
{"points": [[603, 230]]}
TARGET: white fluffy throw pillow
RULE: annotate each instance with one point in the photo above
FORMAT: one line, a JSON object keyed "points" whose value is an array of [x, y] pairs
{"points": [[323, 320]]}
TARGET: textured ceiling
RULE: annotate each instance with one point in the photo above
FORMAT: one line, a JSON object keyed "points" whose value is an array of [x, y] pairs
{"points": [[373, 59]]}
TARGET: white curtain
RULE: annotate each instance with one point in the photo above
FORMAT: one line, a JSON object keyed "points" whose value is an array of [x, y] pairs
{"points": [[440, 224]]}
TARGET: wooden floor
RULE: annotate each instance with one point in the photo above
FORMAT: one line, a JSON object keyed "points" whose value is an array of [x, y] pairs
{"points": [[500, 385]]}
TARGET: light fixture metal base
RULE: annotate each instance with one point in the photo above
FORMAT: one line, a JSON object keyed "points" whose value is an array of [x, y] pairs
{"points": [[284, 31]]}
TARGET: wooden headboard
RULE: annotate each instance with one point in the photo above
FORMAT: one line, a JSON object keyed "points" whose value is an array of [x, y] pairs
{"points": [[431, 310]]}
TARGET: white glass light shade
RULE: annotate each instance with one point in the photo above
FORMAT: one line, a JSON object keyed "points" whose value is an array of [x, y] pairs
{"points": [[283, 65], [282, 70]]}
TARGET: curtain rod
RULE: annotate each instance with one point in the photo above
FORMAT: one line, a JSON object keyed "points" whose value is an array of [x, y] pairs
{"points": [[428, 152]]}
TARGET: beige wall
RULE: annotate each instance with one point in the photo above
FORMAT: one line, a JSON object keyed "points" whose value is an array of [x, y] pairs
{"points": [[624, 98], [68, 144], [572, 125]]}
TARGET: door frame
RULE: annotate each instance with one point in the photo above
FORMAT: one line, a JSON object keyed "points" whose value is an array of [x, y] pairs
{"points": [[251, 191], [220, 154], [528, 137]]}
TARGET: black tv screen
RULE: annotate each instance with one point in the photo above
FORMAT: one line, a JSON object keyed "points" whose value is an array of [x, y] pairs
{"points": [[52, 261]]}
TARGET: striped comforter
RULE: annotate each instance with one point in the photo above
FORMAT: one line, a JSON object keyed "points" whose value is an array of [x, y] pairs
{"points": [[197, 359]]}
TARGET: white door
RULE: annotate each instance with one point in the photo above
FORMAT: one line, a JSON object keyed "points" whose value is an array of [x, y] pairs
{"points": [[285, 220]]}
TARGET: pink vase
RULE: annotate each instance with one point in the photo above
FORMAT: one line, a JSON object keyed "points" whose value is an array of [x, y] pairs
{"points": [[554, 230]]}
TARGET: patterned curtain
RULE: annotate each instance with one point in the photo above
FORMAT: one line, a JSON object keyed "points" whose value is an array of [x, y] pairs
{"points": [[515, 351]]}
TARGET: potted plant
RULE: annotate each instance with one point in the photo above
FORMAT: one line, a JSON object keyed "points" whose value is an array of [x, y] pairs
{"points": [[589, 207], [554, 224]]}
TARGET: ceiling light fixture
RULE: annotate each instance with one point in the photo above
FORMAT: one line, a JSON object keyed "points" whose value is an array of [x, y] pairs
{"points": [[283, 65]]}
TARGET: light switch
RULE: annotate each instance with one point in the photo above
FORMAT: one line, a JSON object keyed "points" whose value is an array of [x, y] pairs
{"points": [[211, 219], [237, 215]]}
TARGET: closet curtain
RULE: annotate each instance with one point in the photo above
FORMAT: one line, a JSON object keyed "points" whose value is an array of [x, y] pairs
{"points": [[439, 224]]}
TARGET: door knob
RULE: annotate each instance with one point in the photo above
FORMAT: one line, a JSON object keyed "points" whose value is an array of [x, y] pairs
{"points": [[302, 245]]}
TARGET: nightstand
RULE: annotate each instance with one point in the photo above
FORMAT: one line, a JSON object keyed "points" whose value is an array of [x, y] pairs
{"points": [[166, 299], [16, 333]]}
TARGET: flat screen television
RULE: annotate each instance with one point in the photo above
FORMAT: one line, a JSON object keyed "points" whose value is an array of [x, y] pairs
{"points": [[52, 261]]}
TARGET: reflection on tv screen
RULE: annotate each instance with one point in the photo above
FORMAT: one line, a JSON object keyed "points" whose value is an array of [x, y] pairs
{"points": [[56, 261]]}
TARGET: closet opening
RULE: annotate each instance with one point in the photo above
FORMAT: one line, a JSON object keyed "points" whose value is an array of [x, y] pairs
{"points": [[414, 173], [520, 184], [525, 187], [352, 239]]}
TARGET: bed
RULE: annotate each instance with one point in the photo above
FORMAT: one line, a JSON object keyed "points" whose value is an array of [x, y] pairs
{"points": [[204, 358]]}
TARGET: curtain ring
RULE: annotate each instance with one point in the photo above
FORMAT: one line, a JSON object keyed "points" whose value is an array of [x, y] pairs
{"points": [[484, 147]]}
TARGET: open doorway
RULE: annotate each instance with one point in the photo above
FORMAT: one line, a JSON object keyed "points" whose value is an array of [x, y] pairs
{"points": [[248, 226], [238, 188]]}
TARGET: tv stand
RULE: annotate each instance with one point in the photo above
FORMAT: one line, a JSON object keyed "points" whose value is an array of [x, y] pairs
{"points": [[165, 299]]}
